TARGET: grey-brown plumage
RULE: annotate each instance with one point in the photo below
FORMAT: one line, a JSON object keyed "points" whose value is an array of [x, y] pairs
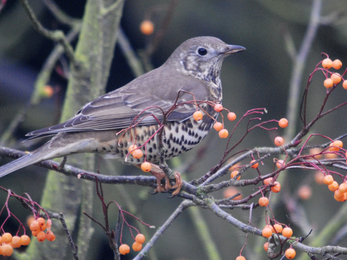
{"points": [[193, 68]]}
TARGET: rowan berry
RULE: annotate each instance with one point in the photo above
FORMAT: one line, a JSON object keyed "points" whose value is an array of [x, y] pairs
{"points": [[266, 246], [218, 126], [328, 83], [254, 166], [50, 235], [137, 154], [240, 257], [305, 192], [146, 166], [333, 186], [319, 177], [287, 232], [137, 246], [327, 63], [290, 253], [140, 238], [283, 122], [223, 133], [231, 191], [266, 232], [197, 115], [48, 91], [279, 141], [7, 250], [16, 242], [6, 238], [147, 27], [276, 188], [343, 187], [124, 249], [278, 228], [233, 175], [280, 164], [42, 223], [132, 148], [231, 116], [25, 240], [263, 201], [336, 77], [34, 225], [268, 181], [328, 179], [41, 236], [337, 64], [344, 84], [218, 107], [335, 146]]}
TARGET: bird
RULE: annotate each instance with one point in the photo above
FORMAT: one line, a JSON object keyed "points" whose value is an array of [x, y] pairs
{"points": [[159, 103]]}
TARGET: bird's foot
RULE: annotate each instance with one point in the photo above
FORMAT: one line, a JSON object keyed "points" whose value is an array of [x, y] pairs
{"points": [[159, 175]]}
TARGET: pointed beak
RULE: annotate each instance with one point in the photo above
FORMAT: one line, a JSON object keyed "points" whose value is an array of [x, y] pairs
{"points": [[234, 48]]}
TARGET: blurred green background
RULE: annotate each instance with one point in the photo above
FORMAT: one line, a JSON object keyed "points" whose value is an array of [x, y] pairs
{"points": [[256, 78]]}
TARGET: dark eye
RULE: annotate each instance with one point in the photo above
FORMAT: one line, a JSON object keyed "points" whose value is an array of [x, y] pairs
{"points": [[202, 51]]}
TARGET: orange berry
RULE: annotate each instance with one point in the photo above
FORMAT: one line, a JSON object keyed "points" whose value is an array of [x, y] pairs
{"points": [[290, 253], [328, 83], [335, 146], [240, 257], [147, 27], [7, 250], [223, 133], [197, 115], [42, 223], [271, 227], [266, 232], [254, 166], [34, 225], [339, 198], [50, 235], [278, 228], [277, 187], [319, 177], [343, 187], [337, 64], [132, 148], [287, 232], [25, 240], [231, 116], [137, 154], [336, 77], [16, 242], [41, 236], [146, 166], [327, 63], [280, 164], [124, 249], [266, 246], [279, 141], [339, 194], [305, 192], [48, 91], [283, 122], [263, 201], [137, 246], [218, 107], [316, 152], [344, 84], [35, 232], [7, 238], [30, 219], [330, 155], [231, 191], [140, 238], [268, 181], [233, 175], [333, 186], [218, 126], [328, 179], [232, 168], [49, 223]]}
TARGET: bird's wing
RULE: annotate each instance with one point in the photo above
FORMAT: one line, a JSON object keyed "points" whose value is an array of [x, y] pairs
{"points": [[149, 94]]}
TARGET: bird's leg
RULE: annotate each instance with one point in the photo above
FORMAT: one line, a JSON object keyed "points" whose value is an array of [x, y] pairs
{"points": [[160, 173], [62, 163]]}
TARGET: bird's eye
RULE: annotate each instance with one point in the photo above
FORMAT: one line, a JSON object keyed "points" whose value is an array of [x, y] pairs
{"points": [[202, 51]]}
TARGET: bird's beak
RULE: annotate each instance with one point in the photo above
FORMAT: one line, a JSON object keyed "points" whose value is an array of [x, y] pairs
{"points": [[234, 48]]}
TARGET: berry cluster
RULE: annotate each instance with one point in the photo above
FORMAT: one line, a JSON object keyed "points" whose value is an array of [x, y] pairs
{"points": [[335, 78], [38, 226], [137, 245], [8, 242]]}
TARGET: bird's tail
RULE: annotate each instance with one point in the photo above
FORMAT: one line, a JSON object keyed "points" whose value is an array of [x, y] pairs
{"points": [[20, 163]]}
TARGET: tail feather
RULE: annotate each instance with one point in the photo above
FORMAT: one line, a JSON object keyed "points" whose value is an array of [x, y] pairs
{"points": [[20, 163]]}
